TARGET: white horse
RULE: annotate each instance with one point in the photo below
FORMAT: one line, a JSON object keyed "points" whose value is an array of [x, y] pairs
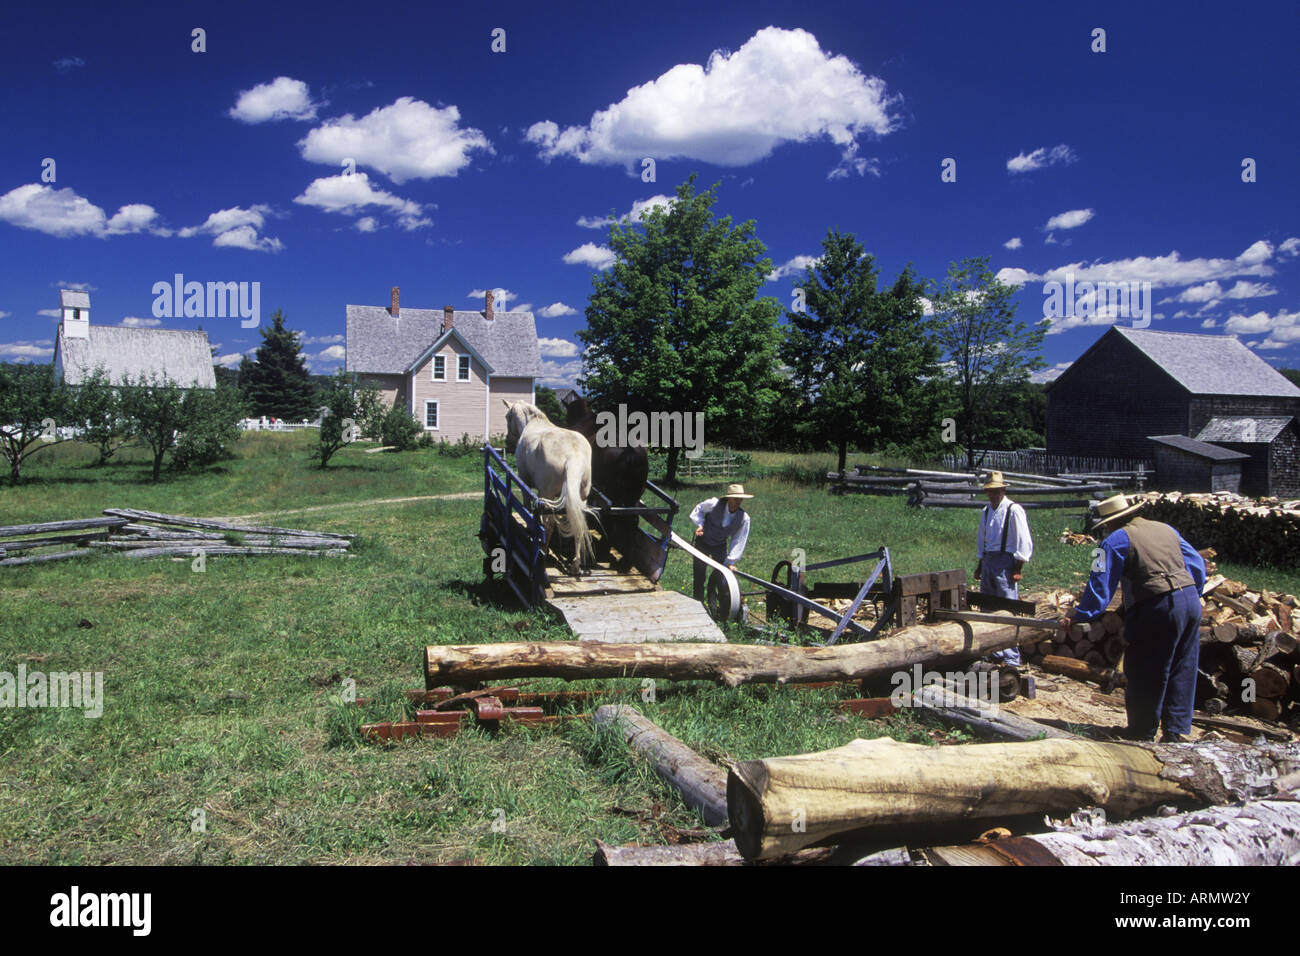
{"points": [[557, 463]]}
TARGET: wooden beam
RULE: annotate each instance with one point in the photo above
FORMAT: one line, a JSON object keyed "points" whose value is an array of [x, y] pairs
{"points": [[15, 530]]}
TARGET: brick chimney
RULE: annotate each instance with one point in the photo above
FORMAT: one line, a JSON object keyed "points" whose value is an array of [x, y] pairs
{"points": [[487, 309], [447, 317], [395, 308]]}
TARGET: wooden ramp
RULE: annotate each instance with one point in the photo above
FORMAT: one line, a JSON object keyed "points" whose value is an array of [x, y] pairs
{"points": [[627, 608]]}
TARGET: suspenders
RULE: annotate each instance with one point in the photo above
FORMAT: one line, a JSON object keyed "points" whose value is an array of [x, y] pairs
{"points": [[1006, 524]]}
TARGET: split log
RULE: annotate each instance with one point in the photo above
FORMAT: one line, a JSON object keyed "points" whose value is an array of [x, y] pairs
{"points": [[988, 720], [187, 551], [136, 515], [730, 664], [28, 544], [784, 804], [1261, 833], [722, 853], [207, 541], [16, 530], [702, 783], [1082, 671], [41, 558]]}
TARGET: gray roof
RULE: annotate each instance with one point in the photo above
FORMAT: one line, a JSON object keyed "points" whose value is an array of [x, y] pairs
{"points": [[181, 355], [74, 300], [379, 343], [1244, 429], [1198, 448], [1211, 364]]}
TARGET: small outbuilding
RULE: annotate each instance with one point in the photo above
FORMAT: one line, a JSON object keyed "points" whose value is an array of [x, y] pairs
{"points": [[1185, 464], [1272, 445]]}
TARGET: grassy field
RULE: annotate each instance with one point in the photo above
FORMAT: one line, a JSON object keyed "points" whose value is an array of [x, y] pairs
{"points": [[223, 739]]}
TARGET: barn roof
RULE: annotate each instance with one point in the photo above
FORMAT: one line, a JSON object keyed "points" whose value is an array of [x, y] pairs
{"points": [[1244, 429], [1210, 364], [182, 355], [1198, 448], [379, 343]]}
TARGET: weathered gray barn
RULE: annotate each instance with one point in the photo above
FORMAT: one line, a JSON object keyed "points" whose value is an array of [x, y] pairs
{"points": [[1185, 464], [120, 351], [1134, 383], [1273, 447]]}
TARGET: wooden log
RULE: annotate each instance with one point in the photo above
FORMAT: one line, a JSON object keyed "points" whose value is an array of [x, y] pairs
{"points": [[42, 558], [187, 550], [987, 720], [952, 502], [136, 515], [718, 853], [783, 804], [17, 530], [1081, 671], [253, 541], [29, 544], [1212, 836], [702, 783], [1112, 649], [730, 664]]}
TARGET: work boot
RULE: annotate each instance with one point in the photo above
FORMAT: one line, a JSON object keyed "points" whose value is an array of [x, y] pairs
{"points": [[1169, 738], [1129, 733]]}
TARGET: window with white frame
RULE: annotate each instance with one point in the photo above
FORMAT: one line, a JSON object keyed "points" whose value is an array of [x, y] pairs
{"points": [[462, 368], [440, 368], [431, 415]]}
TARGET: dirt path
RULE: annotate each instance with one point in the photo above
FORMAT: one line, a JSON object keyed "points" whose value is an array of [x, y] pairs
{"points": [[458, 496]]}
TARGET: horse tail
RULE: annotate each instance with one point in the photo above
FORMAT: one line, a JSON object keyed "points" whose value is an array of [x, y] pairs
{"points": [[575, 509]]}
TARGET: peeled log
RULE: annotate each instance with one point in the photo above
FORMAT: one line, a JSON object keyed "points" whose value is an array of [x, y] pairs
{"points": [[702, 783], [783, 804], [1261, 833], [730, 664]]}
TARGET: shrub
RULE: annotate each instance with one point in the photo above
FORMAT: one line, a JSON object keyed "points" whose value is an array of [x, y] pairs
{"points": [[398, 429]]}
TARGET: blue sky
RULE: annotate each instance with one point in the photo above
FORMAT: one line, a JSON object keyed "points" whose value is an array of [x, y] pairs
{"points": [[477, 169]]}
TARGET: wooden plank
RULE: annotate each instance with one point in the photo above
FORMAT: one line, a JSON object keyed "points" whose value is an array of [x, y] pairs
{"points": [[16, 530], [652, 616]]}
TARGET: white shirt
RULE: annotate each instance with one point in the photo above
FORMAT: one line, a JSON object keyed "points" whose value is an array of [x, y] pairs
{"points": [[989, 539], [728, 521]]}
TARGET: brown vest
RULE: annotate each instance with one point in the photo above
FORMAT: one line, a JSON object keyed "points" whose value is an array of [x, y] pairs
{"points": [[1155, 560]]}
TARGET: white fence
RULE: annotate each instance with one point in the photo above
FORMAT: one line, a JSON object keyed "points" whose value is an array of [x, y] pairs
{"points": [[265, 424]]}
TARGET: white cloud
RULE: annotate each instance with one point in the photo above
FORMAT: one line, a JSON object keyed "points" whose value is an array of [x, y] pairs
{"points": [[560, 374], [282, 98], [1039, 158], [1257, 252], [561, 348], [792, 267], [50, 313], [135, 217], [1069, 220], [1289, 248], [135, 322], [19, 351], [367, 224], [335, 353], [1012, 243], [1207, 324], [639, 206], [1044, 375], [1160, 271], [1013, 276], [1200, 293], [590, 254], [927, 307], [4, 314], [237, 228], [779, 87], [1250, 290], [56, 212], [74, 286], [408, 140], [1283, 328], [500, 298], [322, 339], [228, 361], [349, 194], [556, 309], [66, 63]]}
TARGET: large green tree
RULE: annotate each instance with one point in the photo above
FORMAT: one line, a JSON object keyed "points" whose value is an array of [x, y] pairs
{"points": [[676, 325], [32, 409], [861, 359], [277, 381], [991, 354]]}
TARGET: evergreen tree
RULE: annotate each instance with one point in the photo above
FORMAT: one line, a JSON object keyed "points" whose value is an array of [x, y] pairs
{"points": [[277, 382]]}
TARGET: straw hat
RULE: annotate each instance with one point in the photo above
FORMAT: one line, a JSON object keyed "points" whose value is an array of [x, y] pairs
{"points": [[995, 481], [1112, 509], [736, 491]]}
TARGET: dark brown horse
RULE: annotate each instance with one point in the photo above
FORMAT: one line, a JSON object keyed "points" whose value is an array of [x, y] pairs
{"points": [[620, 472]]}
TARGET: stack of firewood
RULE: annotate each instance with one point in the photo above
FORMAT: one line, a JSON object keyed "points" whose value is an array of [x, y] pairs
{"points": [[1259, 531], [1099, 644], [1250, 655]]}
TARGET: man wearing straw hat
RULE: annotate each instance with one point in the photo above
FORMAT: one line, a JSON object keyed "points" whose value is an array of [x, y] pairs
{"points": [[1162, 576], [719, 521], [1002, 547]]}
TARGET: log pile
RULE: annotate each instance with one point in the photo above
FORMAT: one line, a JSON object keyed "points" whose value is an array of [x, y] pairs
{"points": [[1099, 644], [1257, 531], [148, 534], [1250, 652]]}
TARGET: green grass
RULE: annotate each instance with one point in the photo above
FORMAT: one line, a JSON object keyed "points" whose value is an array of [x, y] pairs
{"points": [[222, 688]]}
